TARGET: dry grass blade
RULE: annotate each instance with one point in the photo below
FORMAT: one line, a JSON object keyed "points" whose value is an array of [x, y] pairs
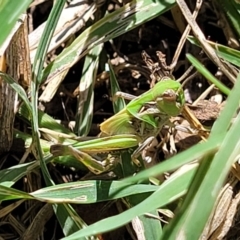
{"points": [[38, 223], [73, 18], [226, 69], [222, 217], [185, 33], [10, 208], [13, 61]]}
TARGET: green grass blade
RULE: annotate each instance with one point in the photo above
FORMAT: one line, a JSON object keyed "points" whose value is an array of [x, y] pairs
{"points": [[224, 121], [45, 41], [119, 103], [83, 192], [207, 74], [169, 191], [232, 10], [36, 80], [228, 54], [10, 11], [27, 138], [10, 176], [44, 120], [69, 220], [7, 193], [18, 89], [64, 216], [91, 191], [86, 97], [13, 174]]}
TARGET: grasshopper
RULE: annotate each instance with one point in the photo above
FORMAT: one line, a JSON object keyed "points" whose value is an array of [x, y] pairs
{"points": [[153, 108], [145, 115], [142, 118], [136, 124]]}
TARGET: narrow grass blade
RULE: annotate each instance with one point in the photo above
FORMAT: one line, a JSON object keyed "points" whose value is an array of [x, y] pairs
{"points": [[45, 41], [119, 103], [11, 175], [207, 74], [36, 81], [232, 10], [66, 217], [7, 193], [45, 121], [223, 123], [18, 89], [228, 54], [86, 94], [83, 192]]}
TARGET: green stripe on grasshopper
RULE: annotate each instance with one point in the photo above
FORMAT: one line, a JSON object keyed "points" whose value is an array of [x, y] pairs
{"points": [[85, 151], [108, 144]]}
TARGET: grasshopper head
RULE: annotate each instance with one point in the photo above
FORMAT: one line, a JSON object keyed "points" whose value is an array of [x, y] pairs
{"points": [[171, 102]]}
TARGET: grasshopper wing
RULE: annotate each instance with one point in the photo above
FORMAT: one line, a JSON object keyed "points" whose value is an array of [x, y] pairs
{"points": [[119, 123]]}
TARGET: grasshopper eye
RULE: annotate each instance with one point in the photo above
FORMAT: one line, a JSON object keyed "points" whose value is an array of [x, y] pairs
{"points": [[169, 95]]}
